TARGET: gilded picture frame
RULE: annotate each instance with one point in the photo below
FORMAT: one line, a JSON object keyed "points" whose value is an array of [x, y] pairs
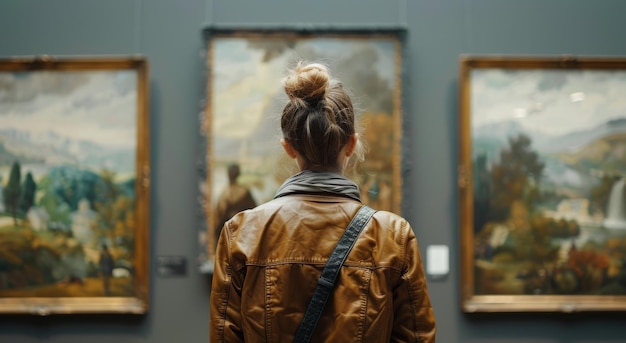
{"points": [[240, 123], [541, 164], [75, 167]]}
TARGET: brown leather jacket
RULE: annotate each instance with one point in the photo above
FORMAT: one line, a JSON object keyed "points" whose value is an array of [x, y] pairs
{"points": [[269, 258]]}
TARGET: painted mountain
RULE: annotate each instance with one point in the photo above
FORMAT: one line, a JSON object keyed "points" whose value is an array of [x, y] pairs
{"points": [[50, 149]]}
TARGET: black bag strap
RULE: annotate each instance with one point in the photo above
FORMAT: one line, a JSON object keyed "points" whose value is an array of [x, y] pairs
{"points": [[326, 282]]}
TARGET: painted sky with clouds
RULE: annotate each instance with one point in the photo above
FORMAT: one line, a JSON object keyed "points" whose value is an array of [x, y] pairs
{"points": [[95, 106], [548, 101]]}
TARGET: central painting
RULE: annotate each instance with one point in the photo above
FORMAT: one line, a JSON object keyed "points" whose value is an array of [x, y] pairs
{"points": [[243, 163]]}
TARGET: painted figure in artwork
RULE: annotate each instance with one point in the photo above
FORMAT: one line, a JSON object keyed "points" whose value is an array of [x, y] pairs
{"points": [[106, 268], [234, 199]]}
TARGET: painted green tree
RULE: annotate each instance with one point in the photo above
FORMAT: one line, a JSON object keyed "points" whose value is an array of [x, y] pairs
{"points": [[12, 191], [515, 177], [27, 197]]}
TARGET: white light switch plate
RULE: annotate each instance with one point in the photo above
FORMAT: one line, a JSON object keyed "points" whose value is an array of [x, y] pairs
{"points": [[437, 260]]}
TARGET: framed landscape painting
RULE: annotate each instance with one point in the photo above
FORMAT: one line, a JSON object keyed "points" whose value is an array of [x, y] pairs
{"points": [[243, 163], [74, 199], [542, 178]]}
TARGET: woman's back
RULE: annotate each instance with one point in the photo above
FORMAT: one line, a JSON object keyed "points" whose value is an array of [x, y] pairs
{"points": [[276, 253]]}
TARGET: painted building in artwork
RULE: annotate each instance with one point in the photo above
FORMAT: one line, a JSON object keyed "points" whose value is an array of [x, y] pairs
{"points": [[82, 222], [574, 209], [38, 218], [577, 209]]}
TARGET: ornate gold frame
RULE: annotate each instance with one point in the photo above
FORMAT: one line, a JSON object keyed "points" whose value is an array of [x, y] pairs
{"points": [[138, 303], [470, 300]]}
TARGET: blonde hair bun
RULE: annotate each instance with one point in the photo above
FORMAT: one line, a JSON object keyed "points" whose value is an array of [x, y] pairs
{"points": [[307, 83]]}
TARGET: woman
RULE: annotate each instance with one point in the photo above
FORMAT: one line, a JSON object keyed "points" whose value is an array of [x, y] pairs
{"points": [[269, 258]]}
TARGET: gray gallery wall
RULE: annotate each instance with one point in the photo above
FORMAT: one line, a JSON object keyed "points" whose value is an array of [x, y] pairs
{"points": [[168, 32]]}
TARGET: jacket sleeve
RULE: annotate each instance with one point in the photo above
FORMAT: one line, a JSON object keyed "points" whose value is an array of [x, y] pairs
{"points": [[414, 320], [225, 309]]}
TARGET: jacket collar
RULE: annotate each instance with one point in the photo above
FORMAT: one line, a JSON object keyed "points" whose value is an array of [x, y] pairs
{"points": [[313, 182]]}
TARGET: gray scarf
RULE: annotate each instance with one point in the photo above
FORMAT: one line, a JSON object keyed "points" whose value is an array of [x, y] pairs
{"points": [[312, 182]]}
